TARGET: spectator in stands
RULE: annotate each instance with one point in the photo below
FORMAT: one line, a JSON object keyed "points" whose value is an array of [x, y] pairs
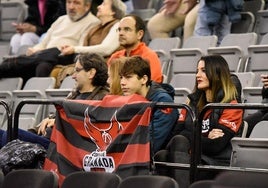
{"points": [[174, 14], [69, 29], [136, 78], [41, 14], [91, 73], [131, 31], [215, 17], [113, 78], [99, 38], [214, 84], [260, 115]]}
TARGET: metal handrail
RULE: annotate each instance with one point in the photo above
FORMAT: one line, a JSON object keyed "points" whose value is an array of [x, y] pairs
{"points": [[198, 129], [9, 118], [14, 134], [192, 165]]}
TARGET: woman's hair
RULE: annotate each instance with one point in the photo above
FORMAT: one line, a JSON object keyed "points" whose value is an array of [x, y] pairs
{"points": [[221, 85], [115, 69], [119, 8]]}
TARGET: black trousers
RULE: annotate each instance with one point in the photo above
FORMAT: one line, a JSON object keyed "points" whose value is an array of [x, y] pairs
{"points": [[39, 64]]}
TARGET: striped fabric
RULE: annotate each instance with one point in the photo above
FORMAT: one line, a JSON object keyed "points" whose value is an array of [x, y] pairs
{"points": [[111, 135]]}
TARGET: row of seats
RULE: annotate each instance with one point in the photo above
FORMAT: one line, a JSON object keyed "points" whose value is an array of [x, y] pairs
{"points": [[45, 179], [12, 92]]}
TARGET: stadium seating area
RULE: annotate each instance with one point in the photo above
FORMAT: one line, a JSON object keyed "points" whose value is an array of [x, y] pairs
{"points": [[246, 51]]}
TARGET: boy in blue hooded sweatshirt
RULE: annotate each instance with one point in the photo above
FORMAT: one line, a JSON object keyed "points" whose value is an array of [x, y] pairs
{"points": [[136, 79]]}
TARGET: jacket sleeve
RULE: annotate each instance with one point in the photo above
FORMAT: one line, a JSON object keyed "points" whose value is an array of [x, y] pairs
{"points": [[162, 122], [229, 122], [105, 48]]}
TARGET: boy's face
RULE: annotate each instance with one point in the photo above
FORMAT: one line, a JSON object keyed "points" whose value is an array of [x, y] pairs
{"points": [[131, 84]]}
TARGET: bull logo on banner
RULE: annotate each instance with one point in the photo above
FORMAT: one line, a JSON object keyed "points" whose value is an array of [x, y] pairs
{"points": [[102, 135]]}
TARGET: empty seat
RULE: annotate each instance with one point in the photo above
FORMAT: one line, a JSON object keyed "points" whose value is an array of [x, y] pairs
{"points": [[257, 59], [239, 179], [181, 95], [184, 60], [261, 27], [246, 78], [234, 48], [34, 89], [94, 179], [61, 93], [184, 81], [251, 95], [148, 181], [245, 25], [7, 85], [30, 178], [162, 47], [250, 152]]}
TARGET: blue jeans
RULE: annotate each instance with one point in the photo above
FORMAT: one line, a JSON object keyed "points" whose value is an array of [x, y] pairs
{"points": [[25, 136], [203, 29]]}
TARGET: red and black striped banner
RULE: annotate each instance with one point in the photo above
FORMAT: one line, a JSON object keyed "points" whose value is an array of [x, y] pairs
{"points": [[111, 135]]}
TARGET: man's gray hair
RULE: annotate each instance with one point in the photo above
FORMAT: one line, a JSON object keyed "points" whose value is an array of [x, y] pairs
{"points": [[119, 8]]}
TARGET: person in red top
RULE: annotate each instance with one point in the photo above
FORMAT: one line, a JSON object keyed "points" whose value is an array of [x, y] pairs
{"points": [[131, 31]]}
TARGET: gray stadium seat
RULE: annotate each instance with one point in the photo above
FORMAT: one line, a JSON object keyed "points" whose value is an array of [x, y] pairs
{"points": [[234, 49], [34, 89], [184, 60], [94, 179]]}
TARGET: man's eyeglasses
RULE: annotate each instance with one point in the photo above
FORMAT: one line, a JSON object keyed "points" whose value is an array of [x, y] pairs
{"points": [[77, 70]]}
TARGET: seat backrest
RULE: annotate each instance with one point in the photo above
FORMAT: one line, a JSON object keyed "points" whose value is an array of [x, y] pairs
{"points": [[10, 84], [202, 184], [138, 4], [162, 47], [243, 40], [246, 78], [251, 95], [184, 81], [261, 26], [253, 6], [94, 179], [34, 88], [148, 181], [181, 95], [245, 25], [30, 178], [234, 49], [67, 83], [240, 179], [184, 60], [4, 51], [7, 85], [257, 61], [11, 12], [249, 152], [260, 130], [165, 44], [201, 42]]}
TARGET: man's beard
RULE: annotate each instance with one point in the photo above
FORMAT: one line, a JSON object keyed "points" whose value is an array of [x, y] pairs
{"points": [[76, 17]]}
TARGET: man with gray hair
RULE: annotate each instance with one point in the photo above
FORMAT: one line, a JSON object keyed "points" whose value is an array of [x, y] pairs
{"points": [[69, 29]]}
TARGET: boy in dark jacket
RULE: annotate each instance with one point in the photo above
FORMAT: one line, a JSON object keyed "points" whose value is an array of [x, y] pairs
{"points": [[136, 78]]}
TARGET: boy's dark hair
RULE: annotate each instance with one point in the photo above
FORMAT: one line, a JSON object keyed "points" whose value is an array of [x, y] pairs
{"points": [[137, 65]]}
